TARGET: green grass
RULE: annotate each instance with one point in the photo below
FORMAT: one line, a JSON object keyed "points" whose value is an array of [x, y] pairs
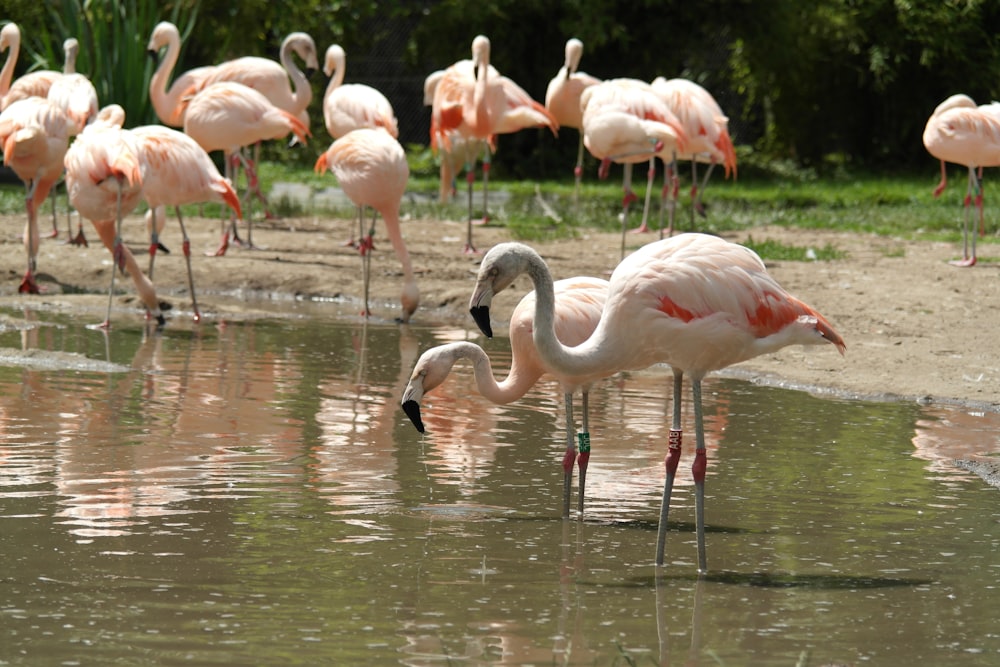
{"points": [[893, 207]]}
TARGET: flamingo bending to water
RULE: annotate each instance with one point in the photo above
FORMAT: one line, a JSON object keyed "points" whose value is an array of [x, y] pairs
{"points": [[370, 166], [578, 305], [693, 301], [177, 171], [104, 182]]}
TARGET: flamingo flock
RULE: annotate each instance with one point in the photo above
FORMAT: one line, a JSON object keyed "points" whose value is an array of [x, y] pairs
{"points": [[693, 302]]}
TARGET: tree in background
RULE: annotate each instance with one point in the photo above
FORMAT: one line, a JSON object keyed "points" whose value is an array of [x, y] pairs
{"points": [[817, 82]]}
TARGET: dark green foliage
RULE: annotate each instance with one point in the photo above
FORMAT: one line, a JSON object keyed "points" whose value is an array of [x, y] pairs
{"points": [[819, 84]]}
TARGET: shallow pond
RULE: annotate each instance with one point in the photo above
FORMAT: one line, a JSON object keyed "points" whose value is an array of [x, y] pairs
{"points": [[249, 492]]}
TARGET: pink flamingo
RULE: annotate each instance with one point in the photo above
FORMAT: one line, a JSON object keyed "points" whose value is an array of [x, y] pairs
{"points": [[352, 106], [272, 80], [958, 131], [625, 121], [177, 171], [227, 116], [171, 104], [693, 301], [562, 99], [475, 100], [707, 131], [34, 135], [456, 151], [32, 84], [578, 305], [104, 183], [371, 169]]}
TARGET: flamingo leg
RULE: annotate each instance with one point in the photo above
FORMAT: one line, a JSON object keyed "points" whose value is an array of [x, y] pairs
{"points": [[154, 241], [252, 184], [668, 195], [224, 243], [578, 172], [365, 247], [487, 162], [584, 445], [698, 472], [55, 218], [470, 178], [116, 255], [570, 457], [627, 199], [699, 190], [972, 190], [187, 259], [31, 240], [673, 457], [650, 177]]}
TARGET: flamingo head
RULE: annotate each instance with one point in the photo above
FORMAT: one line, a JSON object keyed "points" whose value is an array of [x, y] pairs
{"points": [[500, 266]]}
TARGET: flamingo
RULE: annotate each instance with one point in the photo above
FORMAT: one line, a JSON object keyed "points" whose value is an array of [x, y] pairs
{"points": [[10, 41], [32, 84], [625, 121], [707, 131], [578, 304], [272, 80], [958, 131], [562, 99], [178, 171], [104, 182], [227, 116], [693, 301], [34, 136], [348, 107], [171, 104], [474, 99], [454, 152], [370, 166]]}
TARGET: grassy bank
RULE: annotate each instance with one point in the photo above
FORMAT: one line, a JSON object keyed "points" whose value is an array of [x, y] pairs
{"points": [[899, 206]]}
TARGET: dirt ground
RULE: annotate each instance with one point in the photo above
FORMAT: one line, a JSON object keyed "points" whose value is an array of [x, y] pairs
{"points": [[916, 328]]}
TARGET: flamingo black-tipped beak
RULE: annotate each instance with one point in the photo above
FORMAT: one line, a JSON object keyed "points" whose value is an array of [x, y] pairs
{"points": [[412, 410], [481, 314]]}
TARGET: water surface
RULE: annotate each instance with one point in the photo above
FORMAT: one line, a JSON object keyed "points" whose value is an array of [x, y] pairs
{"points": [[249, 492]]}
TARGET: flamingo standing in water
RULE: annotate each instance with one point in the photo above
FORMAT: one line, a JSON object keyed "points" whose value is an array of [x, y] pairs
{"points": [[227, 116], [475, 100], [578, 306], [178, 171], [34, 136], [104, 183], [693, 301], [707, 131], [371, 169], [562, 99], [958, 131]]}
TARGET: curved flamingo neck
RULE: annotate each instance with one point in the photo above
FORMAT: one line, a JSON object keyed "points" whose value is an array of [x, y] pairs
{"points": [[164, 102], [337, 77], [593, 357], [511, 388], [301, 90], [7, 73]]}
